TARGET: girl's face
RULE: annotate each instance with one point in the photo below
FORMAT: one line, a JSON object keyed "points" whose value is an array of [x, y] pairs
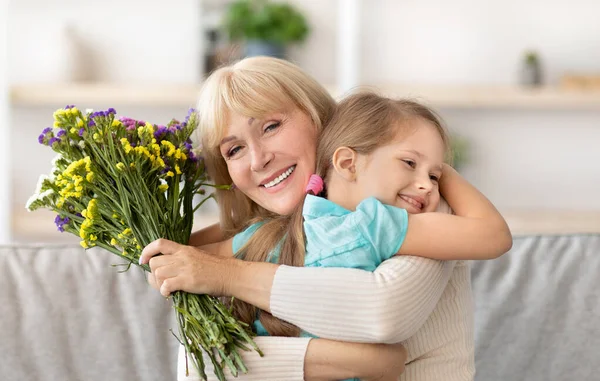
{"points": [[405, 172], [271, 159]]}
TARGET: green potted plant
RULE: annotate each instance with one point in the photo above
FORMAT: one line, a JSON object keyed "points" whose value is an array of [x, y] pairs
{"points": [[459, 149], [265, 27]]}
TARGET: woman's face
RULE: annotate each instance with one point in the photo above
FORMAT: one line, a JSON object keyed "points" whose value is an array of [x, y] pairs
{"points": [[271, 159]]}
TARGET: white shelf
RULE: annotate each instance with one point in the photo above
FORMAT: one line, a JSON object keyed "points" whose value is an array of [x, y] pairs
{"points": [[548, 98]]}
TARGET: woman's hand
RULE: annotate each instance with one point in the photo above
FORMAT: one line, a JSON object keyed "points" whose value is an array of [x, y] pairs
{"points": [[185, 268]]}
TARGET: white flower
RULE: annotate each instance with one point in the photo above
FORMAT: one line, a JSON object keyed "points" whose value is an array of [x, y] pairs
{"points": [[89, 110], [40, 184], [55, 160], [37, 199], [81, 144]]}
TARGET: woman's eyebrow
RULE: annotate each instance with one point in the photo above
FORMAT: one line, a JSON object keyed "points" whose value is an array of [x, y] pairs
{"points": [[227, 139]]}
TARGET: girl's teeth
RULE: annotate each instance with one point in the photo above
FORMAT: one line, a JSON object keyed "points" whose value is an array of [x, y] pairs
{"points": [[280, 178], [412, 202]]}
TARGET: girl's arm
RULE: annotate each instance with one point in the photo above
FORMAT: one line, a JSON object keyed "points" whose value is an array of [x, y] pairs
{"points": [[477, 231], [385, 306], [293, 358]]}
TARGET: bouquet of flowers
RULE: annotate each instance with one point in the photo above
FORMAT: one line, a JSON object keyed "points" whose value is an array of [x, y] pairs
{"points": [[120, 184]]}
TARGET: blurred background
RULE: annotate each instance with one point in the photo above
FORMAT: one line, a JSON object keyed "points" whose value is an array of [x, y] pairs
{"points": [[516, 81]]}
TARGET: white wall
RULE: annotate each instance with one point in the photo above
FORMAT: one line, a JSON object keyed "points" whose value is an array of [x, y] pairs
{"points": [[5, 159], [131, 40], [521, 159]]}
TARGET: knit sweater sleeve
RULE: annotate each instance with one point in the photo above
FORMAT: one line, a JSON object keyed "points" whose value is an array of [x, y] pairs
{"points": [[385, 306]]}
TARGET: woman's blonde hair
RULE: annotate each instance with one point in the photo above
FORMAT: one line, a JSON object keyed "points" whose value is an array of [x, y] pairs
{"points": [[253, 87], [363, 122]]}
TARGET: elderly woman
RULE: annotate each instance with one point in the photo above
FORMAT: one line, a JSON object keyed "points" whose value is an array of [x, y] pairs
{"points": [[260, 120]]}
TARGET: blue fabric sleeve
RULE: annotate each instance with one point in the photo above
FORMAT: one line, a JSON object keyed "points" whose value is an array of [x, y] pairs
{"points": [[383, 225], [241, 238]]}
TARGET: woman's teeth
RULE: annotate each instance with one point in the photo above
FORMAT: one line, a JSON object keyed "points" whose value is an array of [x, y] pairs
{"points": [[412, 201], [280, 178]]}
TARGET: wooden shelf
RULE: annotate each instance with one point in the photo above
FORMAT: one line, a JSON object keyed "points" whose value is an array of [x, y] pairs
{"points": [[471, 97], [513, 97], [104, 94]]}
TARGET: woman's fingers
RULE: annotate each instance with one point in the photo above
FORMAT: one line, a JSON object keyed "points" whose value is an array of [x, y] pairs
{"points": [[160, 246], [152, 281]]}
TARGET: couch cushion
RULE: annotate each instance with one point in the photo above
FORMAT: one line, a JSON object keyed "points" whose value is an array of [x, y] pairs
{"points": [[537, 310], [68, 314]]}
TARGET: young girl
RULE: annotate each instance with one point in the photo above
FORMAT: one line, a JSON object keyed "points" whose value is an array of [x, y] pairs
{"points": [[380, 167], [423, 303]]}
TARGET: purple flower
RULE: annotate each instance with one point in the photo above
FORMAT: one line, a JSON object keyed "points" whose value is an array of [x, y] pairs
{"points": [[91, 122], [62, 134], [52, 141], [61, 222], [160, 132], [81, 131], [67, 107], [111, 111], [189, 114], [47, 130], [42, 139]]}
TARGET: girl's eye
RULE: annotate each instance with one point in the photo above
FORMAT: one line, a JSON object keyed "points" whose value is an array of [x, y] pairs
{"points": [[272, 126], [233, 150], [410, 163], [434, 178]]}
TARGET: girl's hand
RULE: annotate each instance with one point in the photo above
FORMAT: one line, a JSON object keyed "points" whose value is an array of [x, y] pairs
{"points": [[327, 360], [185, 268]]}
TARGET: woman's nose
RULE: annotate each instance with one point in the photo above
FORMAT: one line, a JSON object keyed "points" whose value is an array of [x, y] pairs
{"points": [[259, 158]]}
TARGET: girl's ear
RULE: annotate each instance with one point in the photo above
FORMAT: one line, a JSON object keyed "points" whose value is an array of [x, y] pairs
{"points": [[344, 163]]}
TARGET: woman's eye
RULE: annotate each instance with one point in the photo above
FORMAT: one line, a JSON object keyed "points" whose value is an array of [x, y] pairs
{"points": [[272, 126], [233, 150], [434, 178], [410, 163]]}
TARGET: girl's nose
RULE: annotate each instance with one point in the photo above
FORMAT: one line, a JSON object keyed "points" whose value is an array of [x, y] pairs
{"points": [[424, 183]]}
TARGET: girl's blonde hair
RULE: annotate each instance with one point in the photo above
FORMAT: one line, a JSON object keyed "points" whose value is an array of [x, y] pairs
{"points": [[253, 87], [363, 122]]}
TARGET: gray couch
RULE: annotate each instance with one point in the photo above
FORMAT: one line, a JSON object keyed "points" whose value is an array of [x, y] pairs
{"points": [[68, 315]]}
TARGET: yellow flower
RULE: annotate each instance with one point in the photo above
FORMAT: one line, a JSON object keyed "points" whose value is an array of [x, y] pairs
{"points": [[116, 123], [177, 169], [170, 174], [90, 177], [79, 123], [113, 242], [120, 166], [84, 244], [163, 187]]}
